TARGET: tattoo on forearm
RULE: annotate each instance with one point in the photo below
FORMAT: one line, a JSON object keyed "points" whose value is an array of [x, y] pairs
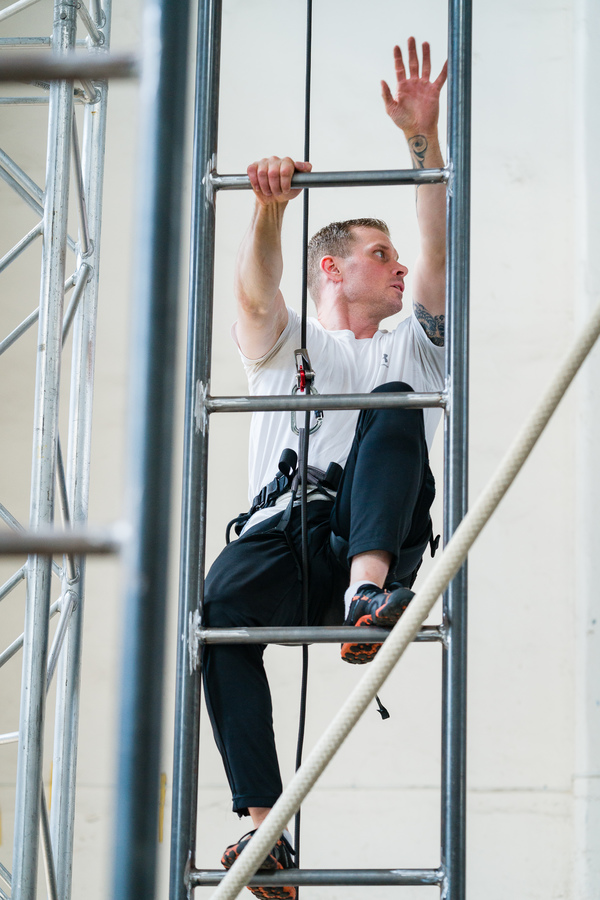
{"points": [[418, 148], [434, 326]]}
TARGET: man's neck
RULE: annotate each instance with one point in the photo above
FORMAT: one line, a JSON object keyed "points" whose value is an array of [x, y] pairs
{"points": [[344, 318]]}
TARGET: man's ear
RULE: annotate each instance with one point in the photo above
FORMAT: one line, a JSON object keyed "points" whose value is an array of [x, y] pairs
{"points": [[330, 268]]}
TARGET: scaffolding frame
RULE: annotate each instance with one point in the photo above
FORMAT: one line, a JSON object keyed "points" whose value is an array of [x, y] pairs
{"points": [[450, 873], [52, 485], [164, 78]]}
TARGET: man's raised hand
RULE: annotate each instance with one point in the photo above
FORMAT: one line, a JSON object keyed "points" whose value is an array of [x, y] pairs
{"points": [[271, 179], [415, 106]]}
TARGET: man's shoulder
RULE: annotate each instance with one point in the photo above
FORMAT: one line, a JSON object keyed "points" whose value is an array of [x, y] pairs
{"points": [[411, 329]]}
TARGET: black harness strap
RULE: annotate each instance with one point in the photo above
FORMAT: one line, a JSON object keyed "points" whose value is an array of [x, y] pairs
{"points": [[288, 479]]}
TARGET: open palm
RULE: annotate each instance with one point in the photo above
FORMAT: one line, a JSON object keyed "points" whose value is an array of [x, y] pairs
{"points": [[415, 106]]}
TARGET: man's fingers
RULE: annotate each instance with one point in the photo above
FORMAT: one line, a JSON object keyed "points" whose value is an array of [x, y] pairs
{"points": [[399, 65], [441, 79], [426, 70], [263, 177], [413, 59], [252, 175], [386, 93], [272, 177], [281, 180]]}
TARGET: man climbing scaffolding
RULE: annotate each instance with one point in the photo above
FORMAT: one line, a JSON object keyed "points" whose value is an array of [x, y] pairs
{"points": [[367, 530]]}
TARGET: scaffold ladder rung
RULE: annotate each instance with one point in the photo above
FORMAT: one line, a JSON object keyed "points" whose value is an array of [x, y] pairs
{"points": [[330, 877]]}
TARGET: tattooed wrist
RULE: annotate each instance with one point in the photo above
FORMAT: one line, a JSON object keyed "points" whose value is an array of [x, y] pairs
{"points": [[418, 148], [433, 326]]}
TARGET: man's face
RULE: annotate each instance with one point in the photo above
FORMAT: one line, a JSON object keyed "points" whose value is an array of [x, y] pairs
{"points": [[371, 274]]}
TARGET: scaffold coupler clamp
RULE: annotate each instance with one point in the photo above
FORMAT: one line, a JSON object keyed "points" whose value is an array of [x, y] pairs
{"points": [[305, 378]]}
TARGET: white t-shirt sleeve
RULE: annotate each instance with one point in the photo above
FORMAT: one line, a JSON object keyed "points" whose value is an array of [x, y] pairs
{"points": [[291, 329], [428, 356]]}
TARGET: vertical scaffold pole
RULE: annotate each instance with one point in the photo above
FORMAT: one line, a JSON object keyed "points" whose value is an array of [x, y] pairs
{"points": [[45, 435], [157, 261], [78, 474], [454, 700], [193, 538]]}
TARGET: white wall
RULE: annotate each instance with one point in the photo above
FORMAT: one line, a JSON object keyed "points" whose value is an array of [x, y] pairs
{"points": [[377, 805]]}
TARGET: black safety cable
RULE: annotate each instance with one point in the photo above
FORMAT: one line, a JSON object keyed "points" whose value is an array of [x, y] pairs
{"points": [[303, 437]]}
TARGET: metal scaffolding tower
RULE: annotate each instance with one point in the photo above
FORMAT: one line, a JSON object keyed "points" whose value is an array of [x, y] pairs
{"points": [[60, 477], [449, 872]]}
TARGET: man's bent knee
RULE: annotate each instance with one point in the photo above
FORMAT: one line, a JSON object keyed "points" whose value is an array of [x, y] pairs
{"points": [[392, 387]]}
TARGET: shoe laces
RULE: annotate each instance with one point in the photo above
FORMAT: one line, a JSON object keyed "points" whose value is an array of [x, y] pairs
{"points": [[368, 601]]}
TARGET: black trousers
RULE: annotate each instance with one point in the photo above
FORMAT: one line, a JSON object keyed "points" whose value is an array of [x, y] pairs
{"points": [[382, 503]]}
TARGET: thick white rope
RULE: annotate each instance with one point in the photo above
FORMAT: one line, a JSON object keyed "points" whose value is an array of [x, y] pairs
{"points": [[407, 627]]}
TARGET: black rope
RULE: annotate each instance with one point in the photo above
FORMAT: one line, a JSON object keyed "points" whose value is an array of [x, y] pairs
{"points": [[303, 437], [306, 194]]}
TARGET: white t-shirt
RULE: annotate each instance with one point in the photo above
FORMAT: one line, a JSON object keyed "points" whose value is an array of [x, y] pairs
{"points": [[342, 364]]}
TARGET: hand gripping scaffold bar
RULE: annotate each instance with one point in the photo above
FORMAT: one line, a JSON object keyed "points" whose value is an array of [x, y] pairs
{"points": [[382, 177]]}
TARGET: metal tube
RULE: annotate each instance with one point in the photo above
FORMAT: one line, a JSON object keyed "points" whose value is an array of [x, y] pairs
{"points": [[12, 582], [25, 41], [453, 819], [30, 543], [71, 567], [92, 29], [19, 330], [84, 233], [287, 402], [381, 178], [47, 850], [89, 92], [25, 187], [22, 179], [306, 635], [11, 650], [22, 245], [98, 14], [59, 635], [33, 42], [47, 542], [20, 190], [18, 642], [83, 274], [24, 101], [15, 8], [8, 517], [84, 302], [12, 738], [151, 409], [35, 648], [35, 66], [328, 877], [5, 875], [79, 93], [194, 494]]}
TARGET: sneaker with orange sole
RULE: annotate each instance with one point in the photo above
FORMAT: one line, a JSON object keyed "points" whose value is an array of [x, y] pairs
{"points": [[280, 857], [373, 606]]}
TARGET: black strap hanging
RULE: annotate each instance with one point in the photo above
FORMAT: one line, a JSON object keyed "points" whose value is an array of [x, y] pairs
{"points": [[304, 432]]}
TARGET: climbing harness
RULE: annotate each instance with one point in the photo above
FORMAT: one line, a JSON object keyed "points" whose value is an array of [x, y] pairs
{"points": [[288, 479]]}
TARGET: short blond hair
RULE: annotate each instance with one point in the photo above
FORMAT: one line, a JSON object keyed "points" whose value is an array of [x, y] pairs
{"points": [[334, 240]]}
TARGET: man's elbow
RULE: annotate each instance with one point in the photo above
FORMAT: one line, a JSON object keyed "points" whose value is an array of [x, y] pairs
{"points": [[253, 306]]}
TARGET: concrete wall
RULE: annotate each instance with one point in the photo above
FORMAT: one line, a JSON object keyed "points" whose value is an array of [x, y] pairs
{"points": [[378, 803]]}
